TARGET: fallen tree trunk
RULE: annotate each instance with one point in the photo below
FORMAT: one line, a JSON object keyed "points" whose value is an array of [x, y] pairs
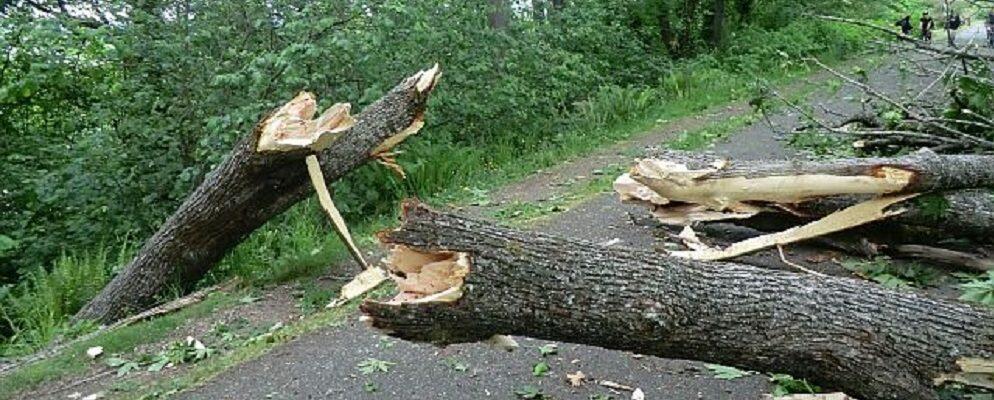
{"points": [[263, 176], [464, 281], [737, 187], [681, 189]]}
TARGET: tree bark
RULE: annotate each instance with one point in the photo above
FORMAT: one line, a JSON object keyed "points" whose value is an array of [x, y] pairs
{"points": [[717, 23], [845, 334], [248, 189], [498, 16]]}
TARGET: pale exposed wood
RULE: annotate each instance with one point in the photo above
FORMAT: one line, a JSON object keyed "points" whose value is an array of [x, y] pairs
{"points": [[324, 197], [857, 215], [292, 127], [367, 280]]}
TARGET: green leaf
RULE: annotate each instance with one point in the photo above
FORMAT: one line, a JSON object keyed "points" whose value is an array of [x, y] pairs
{"points": [[530, 392], [372, 365], [126, 368], [7, 244], [159, 364], [540, 369], [726, 372], [115, 362], [548, 350]]}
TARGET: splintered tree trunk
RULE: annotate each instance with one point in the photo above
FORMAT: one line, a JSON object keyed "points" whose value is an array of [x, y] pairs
{"points": [[844, 334], [258, 181], [683, 188]]}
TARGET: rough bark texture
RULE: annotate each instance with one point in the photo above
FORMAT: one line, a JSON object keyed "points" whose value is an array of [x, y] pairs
{"points": [[243, 193], [868, 341]]}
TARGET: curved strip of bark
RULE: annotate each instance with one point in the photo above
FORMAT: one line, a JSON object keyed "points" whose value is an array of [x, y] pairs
{"points": [[249, 188], [962, 213], [841, 333]]}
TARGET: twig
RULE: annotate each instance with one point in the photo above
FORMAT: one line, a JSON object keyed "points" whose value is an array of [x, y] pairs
{"points": [[783, 257], [873, 92]]}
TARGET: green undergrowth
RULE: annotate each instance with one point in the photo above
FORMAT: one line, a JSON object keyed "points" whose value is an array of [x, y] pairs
{"points": [[702, 138]]}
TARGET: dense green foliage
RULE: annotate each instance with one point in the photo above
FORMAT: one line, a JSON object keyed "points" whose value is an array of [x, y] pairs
{"points": [[112, 115]]}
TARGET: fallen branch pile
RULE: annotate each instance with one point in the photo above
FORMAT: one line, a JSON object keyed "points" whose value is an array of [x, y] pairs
{"points": [[951, 113], [463, 281]]}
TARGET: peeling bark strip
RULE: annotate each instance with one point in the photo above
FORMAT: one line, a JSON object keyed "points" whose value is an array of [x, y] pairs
{"points": [[961, 213], [857, 215], [262, 177], [845, 334]]}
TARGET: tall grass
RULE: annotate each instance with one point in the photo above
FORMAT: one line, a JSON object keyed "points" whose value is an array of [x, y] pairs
{"points": [[37, 309]]}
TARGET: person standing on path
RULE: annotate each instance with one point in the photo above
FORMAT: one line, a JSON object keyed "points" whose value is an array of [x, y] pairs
{"points": [[905, 24], [927, 25], [989, 24], [953, 22]]}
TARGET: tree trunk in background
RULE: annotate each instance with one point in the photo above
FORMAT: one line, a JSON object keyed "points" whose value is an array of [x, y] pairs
{"points": [[845, 334], [248, 189], [666, 34], [744, 9], [498, 16], [690, 25], [717, 24]]}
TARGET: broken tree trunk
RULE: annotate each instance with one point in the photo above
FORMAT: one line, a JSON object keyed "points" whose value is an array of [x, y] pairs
{"points": [[464, 281], [263, 176], [738, 187], [682, 189]]}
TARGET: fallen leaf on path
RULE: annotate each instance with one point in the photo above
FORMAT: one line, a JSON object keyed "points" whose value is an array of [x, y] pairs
{"points": [[576, 379], [616, 385], [94, 352]]}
